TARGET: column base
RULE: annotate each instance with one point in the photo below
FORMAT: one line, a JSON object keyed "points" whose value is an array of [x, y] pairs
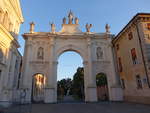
{"points": [[50, 95], [91, 94], [6, 98]]}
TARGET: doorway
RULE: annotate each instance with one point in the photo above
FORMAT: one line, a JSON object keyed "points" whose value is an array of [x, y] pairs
{"points": [[38, 86], [102, 87]]}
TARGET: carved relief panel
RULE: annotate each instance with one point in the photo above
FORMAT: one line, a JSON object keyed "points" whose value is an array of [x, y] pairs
{"points": [[40, 53], [99, 51]]}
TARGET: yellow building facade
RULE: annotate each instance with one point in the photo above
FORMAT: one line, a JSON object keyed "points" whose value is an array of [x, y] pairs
{"points": [[132, 51], [10, 20]]}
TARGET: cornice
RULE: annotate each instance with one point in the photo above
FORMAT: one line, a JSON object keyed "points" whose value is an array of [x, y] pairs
{"points": [[19, 14], [66, 36], [140, 17], [9, 36]]}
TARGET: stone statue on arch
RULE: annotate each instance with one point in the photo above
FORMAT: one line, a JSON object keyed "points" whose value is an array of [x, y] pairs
{"points": [[99, 53], [40, 53]]}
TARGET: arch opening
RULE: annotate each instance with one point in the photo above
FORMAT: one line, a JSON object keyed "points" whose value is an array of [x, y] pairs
{"points": [[38, 85], [70, 76], [102, 87]]}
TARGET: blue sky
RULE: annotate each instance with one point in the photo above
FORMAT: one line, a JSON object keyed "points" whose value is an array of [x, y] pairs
{"points": [[68, 62], [116, 13]]}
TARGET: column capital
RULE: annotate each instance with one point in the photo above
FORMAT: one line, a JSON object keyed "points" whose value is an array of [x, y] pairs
{"points": [[52, 42], [89, 43]]}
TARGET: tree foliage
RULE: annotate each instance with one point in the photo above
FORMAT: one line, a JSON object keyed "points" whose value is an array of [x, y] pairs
{"points": [[78, 83], [101, 79], [63, 86], [75, 86]]}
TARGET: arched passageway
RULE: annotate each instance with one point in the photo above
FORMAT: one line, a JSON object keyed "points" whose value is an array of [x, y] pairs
{"points": [[102, 87], [38, 85], [70, 77]]}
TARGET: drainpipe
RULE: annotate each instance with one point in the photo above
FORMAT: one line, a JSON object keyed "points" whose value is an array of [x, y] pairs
{"points": [[144, 62]]}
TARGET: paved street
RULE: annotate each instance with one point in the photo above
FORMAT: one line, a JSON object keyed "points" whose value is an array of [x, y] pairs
{"points": [[102, 107]]}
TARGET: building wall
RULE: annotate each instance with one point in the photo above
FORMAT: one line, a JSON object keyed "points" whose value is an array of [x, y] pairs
{"points": [[123, 46], [145, 36], [10, 58]]}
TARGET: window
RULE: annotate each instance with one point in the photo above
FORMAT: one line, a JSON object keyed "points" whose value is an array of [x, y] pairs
{"points": [[17, 63], [147, 37], [117, 47], [144, 80], [119, 64], [122, 83], [138, 82], [130, 35], [134, 57], [148, 26]]}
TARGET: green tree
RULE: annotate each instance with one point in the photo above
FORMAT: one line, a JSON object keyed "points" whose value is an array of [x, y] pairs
{"points": [[75, 86], [63, 86], [78, 83], [101, 79]]}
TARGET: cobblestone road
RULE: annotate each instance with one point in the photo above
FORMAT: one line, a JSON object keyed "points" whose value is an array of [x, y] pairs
{"points": [[102, 107]]}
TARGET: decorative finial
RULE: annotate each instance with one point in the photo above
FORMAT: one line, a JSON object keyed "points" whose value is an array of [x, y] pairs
{"points": [[76, 20], [52, 27], [88, 27], [70, 17], [64, 20], [107, 27], [32, 27]]}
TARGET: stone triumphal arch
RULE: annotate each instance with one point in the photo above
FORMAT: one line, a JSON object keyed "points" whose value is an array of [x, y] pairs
{"points": [[42, 50]]}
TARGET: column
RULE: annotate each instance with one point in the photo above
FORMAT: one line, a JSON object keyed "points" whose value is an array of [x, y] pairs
{"points": [[12, 70], [91, 91], [51, 87], [11, 76], [5, 78], [26, 74]]}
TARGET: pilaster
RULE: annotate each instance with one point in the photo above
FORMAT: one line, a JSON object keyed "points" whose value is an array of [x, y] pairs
{"points": [[90, 84]]}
